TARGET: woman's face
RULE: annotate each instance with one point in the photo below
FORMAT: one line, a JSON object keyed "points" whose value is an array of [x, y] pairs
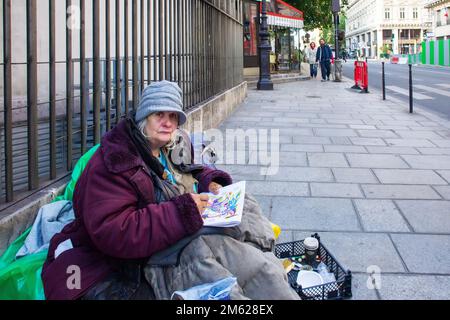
{"points": [[313, 45], [160, 126]]}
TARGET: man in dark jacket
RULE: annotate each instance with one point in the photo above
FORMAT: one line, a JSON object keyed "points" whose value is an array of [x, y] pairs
{"points": [[323, 56]]}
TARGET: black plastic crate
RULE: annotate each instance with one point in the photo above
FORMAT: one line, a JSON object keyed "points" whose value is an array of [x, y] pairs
{"points": [[339, 289]]}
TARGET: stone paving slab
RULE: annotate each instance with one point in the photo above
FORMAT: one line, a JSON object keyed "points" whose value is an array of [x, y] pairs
{"points": [[427, 216], [265, 203], [297, 132], [293, 159], [388, 191], [336, 190], [424, 253], [345, 148], [346, 121], [302, 147], [377, 134], [341, 140], [329, 160], [444, 191], [311, 140], [362, 127], [392, 150], [314, 213], [335, 133], [354, 175], [360, 290], [376, 161], [380, 216], [406, 176], [414, 134], [444, 174], [409, 143], [368, 141], [414, 287], [276, 188], [434, 151], [444, 133], [428, 162], [302, 174], [242, 172], [324, 126]]}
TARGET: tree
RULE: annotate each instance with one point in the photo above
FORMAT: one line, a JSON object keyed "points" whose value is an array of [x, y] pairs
{"points": [[328, 32], [317, 13]]}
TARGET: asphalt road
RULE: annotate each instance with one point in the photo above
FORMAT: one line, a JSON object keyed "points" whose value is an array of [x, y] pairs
{"points": [[431, 85]]}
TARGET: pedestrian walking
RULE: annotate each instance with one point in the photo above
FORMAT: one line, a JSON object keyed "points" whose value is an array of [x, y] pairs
{"points": [[324, 56], [311, 53]]}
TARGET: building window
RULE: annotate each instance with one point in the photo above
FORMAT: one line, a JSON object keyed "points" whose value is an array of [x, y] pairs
{"points": [[387, 13], [415, 13], [402, 13], [387, 35]]}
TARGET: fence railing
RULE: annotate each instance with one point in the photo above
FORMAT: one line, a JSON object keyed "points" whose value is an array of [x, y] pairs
{"points": [[115, 49]]}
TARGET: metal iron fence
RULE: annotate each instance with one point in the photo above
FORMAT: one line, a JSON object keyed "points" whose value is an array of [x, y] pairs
{"points": [[197, 43]]}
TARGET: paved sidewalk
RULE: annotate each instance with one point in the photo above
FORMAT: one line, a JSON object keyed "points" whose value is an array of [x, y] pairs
{"points": [[366, 175]]}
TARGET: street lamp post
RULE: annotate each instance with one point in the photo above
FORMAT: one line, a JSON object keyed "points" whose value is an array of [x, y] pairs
{"points": [[336, 7], [264, 83]]}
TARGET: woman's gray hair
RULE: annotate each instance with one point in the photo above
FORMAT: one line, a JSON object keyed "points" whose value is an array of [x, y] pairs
{"points": [[141, 125]]}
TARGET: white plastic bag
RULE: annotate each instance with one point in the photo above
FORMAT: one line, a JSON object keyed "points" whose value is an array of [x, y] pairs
{"points": [[219, 290]]}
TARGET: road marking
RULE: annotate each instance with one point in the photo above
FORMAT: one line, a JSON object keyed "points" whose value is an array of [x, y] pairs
{"points": [[405, 92], [432, 70], [444, 85], [434, 90]]}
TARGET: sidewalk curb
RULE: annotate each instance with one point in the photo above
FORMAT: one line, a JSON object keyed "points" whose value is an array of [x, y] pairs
{"points": [[252, 84]]}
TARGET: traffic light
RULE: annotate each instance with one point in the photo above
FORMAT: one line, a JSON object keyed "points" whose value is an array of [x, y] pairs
{"points": [[335, 6]]}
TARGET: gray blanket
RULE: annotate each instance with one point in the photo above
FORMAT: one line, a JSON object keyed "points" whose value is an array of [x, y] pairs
{"points": [[248, 257]]}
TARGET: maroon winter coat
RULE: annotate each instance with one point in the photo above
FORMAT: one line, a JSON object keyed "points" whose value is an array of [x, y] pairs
{"points": [[116, 217]]}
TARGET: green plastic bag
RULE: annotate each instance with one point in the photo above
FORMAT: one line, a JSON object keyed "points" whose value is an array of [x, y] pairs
{"points": [[76, 173], [21, 279]]}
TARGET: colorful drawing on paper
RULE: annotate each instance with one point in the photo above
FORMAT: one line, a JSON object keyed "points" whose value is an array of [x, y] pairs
{"points": [[225, 208]]}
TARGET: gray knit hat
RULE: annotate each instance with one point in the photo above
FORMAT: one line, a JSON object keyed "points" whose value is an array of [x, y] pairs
{"points": [[161, 96]]}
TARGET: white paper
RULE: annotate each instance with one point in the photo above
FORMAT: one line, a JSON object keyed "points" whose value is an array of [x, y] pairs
{"points": [[225, 208]]}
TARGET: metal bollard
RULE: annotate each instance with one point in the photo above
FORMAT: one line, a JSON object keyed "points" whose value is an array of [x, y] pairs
{"points": [[410, 89], [383, 81], [367, 89]]}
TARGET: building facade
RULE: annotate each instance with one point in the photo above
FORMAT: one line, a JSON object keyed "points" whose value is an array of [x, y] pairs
{"points": [[375, 27], [439, 11], [284, 22]]}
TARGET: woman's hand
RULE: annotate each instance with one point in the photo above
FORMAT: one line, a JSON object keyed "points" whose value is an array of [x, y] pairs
{"points": [[214, 187], [201, 200]]}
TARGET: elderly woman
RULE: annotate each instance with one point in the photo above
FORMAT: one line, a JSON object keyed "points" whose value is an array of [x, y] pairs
{"points": [[133, 202], [311, 58]]}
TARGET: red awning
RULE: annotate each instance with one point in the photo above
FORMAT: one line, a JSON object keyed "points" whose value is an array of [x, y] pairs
{"points": [[279, 13]]}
